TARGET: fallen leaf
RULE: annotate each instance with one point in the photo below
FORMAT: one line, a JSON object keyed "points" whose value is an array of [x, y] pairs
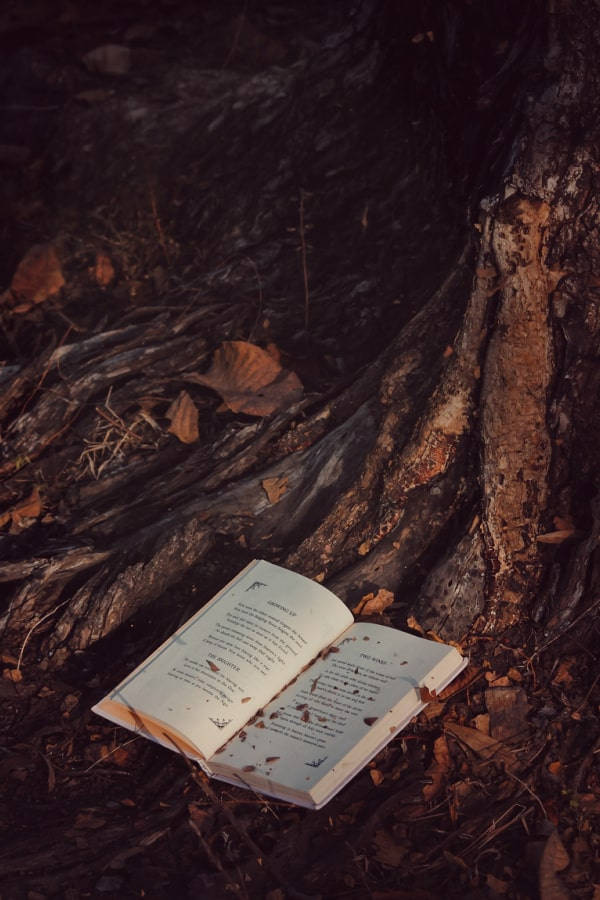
{"points": [[184, 419], [248, 768], [272, 759], [38, 276], [555, 767], [388, 851], [426, 695], [212, 666], [496, 885], [121, 756], [563, 673], [372, 604], [414, 625], [245, 699], [486, 747], [376, 776], [109, 59], [508, 709], [12, 675], [103, 270], [439, 768], [30, 508], [433, 710], [370, 720], [275, 487], [482, 723], [89, 820], [249, 380], [554, 859]]}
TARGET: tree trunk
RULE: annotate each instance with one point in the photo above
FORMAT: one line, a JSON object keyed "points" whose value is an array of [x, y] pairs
{"points": [[445, 325]]}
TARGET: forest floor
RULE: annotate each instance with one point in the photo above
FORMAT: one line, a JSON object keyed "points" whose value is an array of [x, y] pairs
{"points": [[493, 791]]}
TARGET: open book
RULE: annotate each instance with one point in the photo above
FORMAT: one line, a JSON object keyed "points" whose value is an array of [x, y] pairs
{"points": [[273, 687]]}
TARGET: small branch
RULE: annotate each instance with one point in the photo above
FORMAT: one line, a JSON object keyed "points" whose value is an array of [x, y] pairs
{"points": [[32, 629], [236, 37], [158, 225], [259, 854], [303, 196]]}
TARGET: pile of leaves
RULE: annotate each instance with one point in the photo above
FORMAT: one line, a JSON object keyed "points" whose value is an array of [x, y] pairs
{"points": [[492, 791]]}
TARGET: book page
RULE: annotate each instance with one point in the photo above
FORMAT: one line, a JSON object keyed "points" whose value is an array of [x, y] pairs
{"points": [[233, 656], [312, 727]]}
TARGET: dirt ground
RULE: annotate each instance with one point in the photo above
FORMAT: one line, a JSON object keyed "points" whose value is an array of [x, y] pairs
{"points": [[493, 791]]}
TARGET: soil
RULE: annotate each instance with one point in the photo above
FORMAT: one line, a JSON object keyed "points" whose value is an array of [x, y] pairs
{"points": [[89, 810]]}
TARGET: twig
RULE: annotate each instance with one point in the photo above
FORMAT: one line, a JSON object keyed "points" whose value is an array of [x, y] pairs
{"points": [[158, 225], [259, 854], [303, 195], [110, 753], [260, 295], [572, 624], [32, 629], [236, 37], [529, 791], [45, 372]]}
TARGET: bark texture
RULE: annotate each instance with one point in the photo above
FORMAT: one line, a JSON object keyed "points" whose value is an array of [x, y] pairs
{"points": [[451, 455]]}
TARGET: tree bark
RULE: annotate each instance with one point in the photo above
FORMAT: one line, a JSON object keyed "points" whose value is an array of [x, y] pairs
{"points": [[451, 182]]}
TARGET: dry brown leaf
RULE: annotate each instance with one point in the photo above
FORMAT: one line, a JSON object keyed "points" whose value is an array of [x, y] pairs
{"points": [[496, 885], [110, 59], [426, 695], [470, 674], [563, 673], [482, 723], [275, 488], [373, 604], [414, 625], [30, 508], [12, 674], [38, 276], [103, 270], [388, 851], [508, 709], [433, 710], [377, 777], [554, 859], [484, 746], [250, 380], [184, 419], [88, 819], [438, 770]]}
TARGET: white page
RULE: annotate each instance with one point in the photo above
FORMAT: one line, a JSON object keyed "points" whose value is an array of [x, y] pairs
{"points": [[233, 656], [310, 729]]}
